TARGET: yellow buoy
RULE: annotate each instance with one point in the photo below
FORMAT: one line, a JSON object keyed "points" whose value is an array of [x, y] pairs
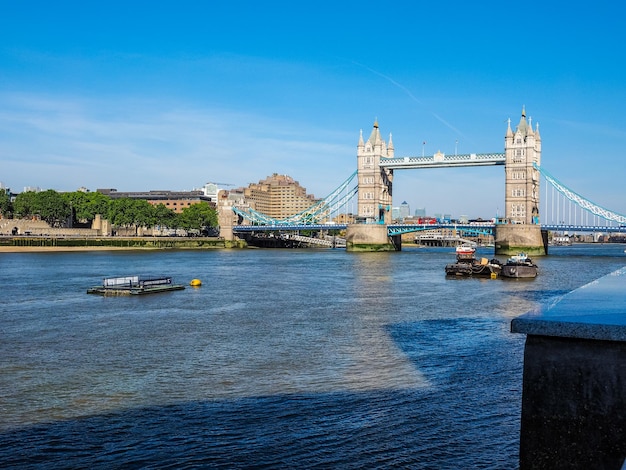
{"points": [[195, 283]]}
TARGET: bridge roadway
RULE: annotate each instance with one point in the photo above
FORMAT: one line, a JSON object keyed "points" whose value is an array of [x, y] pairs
{"points": [[399, 229], [441, 160]]}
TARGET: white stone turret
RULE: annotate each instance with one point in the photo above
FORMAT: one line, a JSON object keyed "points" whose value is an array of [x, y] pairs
{"points": [[522, 150], [375, 183]]}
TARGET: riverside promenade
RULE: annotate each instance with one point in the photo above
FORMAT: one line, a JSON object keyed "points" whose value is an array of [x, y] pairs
{"points": [[574, 390]]}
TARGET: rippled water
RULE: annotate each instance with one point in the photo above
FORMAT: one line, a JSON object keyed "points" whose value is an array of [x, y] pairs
{"points": [[282, 359]]}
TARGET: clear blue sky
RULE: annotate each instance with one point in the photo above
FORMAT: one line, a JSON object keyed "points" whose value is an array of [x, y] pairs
{"points": [[140, 95]]}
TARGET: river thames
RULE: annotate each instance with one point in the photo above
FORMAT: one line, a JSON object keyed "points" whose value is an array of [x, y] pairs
{"points": [[281, 359]]}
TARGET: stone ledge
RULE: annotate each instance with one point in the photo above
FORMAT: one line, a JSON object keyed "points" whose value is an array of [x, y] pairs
{"points": [[594, 311]]}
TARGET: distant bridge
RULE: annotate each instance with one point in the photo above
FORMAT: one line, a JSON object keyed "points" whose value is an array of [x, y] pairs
{"points": [[400, 229], [557, 217], [370, 189]]}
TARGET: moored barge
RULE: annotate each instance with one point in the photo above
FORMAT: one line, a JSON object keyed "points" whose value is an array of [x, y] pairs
{"points": [[135, 285], [467, 265]]}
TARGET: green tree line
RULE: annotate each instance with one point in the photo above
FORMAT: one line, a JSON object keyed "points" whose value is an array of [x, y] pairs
{"points": [[65, 209]]}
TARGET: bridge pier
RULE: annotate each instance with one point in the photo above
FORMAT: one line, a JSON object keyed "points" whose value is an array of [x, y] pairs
{"points": [[511, 239], [371, 237]]}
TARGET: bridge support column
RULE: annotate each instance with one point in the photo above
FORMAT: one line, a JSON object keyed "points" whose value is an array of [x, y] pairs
{"points": [[511, 239], [370, 237]]}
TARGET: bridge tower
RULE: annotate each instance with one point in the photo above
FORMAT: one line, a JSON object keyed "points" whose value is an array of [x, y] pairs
{"points": [[522, 148], [375, 183], [521, 230], [374, 197]]}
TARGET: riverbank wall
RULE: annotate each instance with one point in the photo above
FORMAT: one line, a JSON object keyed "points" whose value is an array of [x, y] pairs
{"points": [[34, 243], [574, 379]]}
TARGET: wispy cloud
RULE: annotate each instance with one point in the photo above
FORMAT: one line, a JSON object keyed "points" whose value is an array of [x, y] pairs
{"points": [[68, 142], [412, 96]]}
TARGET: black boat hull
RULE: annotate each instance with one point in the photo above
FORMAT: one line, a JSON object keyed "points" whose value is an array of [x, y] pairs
{"points": [[519, 271]]}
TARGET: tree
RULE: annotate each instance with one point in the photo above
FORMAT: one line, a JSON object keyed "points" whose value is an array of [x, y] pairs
{"points": [[144, 213], [97, 203], [121, 212], [52, 207], [86, 206], [198, 216], [164, 217], [49, 205], [6, 208], [127, 212], [24, 205]]}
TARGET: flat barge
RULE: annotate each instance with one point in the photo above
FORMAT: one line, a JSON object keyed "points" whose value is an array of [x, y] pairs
{"points": [[467, 265], [134, 285]]}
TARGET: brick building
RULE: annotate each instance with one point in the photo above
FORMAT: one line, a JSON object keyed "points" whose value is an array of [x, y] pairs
{"points": [[173, 200], [278, 196]]}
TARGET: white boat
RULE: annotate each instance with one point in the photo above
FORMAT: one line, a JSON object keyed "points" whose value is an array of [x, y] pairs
{"points": [[465, 249]]}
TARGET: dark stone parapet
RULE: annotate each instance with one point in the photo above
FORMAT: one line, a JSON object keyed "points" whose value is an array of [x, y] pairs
{"points": [[594, 311], [574, 391]]}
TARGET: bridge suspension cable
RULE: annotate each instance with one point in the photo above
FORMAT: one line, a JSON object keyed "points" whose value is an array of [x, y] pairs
{"points": [[579, 200], [320, 211]]}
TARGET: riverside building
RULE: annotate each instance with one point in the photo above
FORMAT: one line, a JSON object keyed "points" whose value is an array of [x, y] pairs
{"points": [[173, 200], [278, 196]]}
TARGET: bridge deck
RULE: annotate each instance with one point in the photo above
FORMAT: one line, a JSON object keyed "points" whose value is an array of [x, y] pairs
{"points": [[440, 160], [397, 229]]}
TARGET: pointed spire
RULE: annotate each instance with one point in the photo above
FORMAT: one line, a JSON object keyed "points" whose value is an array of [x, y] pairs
{"points": [[509, 132], [522, 127], [530, 126], [375, 135], [390, 150], [361, 143], [537, 131]]}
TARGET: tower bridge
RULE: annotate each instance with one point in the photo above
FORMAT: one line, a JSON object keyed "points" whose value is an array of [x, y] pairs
{"points": [[376, 163], [521, 228]]}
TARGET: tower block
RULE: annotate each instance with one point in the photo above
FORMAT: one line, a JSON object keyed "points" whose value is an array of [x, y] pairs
{"points": [[374, 197], [520, 230]]}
